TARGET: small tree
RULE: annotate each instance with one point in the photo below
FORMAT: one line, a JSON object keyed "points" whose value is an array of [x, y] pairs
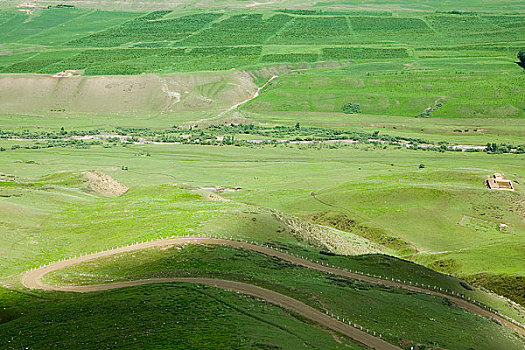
{"points": [[521, 59]]}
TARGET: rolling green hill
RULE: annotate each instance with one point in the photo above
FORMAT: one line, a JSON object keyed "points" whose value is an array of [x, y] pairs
{"points": [[358, 136]]}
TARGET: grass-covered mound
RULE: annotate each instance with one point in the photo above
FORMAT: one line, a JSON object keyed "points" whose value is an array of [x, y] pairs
{"points": [[402, 317]]}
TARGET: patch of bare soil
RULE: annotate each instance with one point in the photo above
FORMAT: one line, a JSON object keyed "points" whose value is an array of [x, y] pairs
{"points": [[255, 4], [71, 92], [104, 184], [210, 196]]}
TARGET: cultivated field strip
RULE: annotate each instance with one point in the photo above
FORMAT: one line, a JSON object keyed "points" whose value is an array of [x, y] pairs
{"points": [[378, 36], [33, 278]]}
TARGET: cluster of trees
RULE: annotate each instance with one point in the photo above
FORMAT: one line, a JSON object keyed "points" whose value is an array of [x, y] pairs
{"points": [[225, 135], [51, 144], [504, 148], [62, 133], [428, 112]]}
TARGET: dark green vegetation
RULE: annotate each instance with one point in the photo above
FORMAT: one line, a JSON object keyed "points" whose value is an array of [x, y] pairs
{"points": [[511, 285], [521, 59], [248, 135], [267, 37], [175, 316]]}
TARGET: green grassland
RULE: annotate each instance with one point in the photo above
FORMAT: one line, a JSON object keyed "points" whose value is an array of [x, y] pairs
{"points": [[75, 221], [426, 71], [149, 316], [395, 64], [349, 186], [396, 89]]}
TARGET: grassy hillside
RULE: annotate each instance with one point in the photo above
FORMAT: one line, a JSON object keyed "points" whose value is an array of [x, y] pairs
{"points": [[75, 221], [480, 88], [370, 305], [102, 42], [182, 97], [394, 63], [356, 134], [441, 195], [149, 316]]}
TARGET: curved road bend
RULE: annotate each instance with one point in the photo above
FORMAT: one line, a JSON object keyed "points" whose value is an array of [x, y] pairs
{"points": [[32, 279]]}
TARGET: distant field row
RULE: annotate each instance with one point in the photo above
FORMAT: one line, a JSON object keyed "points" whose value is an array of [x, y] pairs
{"points": [[84, 28], [125, 61], [138, 60], [158, 41]]}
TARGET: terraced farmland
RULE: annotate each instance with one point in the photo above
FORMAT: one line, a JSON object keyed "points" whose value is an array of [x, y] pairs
{"points": [[310, 32]]}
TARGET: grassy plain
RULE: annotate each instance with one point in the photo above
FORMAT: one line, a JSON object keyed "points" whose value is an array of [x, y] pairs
{"points": [[417, 70]]}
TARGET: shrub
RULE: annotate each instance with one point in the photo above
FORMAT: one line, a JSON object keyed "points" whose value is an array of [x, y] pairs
{"points": [[521, 58], [351, 108]]}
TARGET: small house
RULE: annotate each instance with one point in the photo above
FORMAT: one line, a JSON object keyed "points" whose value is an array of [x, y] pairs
{"points": [[499, 182]]}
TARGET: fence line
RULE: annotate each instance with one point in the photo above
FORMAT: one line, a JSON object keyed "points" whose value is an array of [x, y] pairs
{"points": [[385, 278]]}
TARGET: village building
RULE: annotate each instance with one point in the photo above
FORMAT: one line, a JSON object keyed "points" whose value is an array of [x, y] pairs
{"points": [[499, 182]]}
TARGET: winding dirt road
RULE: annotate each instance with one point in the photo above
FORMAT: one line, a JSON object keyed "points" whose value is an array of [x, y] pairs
{"points": [[33, 280], [270, 296]]}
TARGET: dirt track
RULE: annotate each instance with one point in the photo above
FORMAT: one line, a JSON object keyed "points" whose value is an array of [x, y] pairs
{"points": [[32, 279], [270, 296]]}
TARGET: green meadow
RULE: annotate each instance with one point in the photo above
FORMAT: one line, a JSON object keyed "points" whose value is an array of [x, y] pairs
{"points": [[373, 193], [357, 137], [149, 316]]}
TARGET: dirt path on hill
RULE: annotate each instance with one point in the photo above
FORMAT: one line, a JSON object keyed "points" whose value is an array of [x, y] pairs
{"points": [[257, 92], [235, 106], [33, 279]]}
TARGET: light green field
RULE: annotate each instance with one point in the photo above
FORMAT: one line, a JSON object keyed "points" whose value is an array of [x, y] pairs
{"points": [[432, 73], [404, 89]]}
